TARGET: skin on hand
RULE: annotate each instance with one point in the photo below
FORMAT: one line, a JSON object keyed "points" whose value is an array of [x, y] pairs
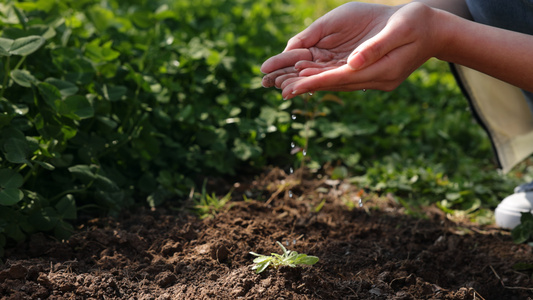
{"points": [[389, 42], [366, 46], [329, 40]]}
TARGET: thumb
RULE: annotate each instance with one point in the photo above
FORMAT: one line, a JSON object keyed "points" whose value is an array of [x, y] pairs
{"points": [[365, 55], [306, 38], [375, 48]]}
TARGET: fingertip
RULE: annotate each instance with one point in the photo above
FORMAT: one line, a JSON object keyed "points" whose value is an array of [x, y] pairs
{"points": [[356, 61]]}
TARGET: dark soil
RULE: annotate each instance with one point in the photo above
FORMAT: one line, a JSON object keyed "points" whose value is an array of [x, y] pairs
{"points": [[373, 252]]}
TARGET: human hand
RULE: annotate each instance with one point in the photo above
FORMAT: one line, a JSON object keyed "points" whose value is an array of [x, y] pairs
{"points": [[356, 46]]}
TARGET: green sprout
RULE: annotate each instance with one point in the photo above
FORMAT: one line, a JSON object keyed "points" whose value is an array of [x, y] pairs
{"points": [[207, 206], [288, 258]]}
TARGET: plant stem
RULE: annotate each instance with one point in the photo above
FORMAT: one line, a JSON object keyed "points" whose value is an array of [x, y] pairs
{"points": [[4, 83]]}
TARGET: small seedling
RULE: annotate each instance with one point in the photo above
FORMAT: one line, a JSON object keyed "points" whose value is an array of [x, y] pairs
{"points": [[207, 206], [288, 258]]}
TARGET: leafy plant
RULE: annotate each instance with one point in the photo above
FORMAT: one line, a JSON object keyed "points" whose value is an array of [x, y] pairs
{"points": [[287, 258], [207, 206], [109, 104], [524, 231]]}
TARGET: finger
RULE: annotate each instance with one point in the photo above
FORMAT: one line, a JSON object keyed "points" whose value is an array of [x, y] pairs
{"points": [[322, 81], [306, 38], [285, 59], [341, 78], [283, 78], [304, 64], [314, 71], [391, 37], [269, 80]]}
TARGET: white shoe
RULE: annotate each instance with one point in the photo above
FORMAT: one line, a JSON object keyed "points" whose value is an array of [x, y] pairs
{"points": [[510, 210]]}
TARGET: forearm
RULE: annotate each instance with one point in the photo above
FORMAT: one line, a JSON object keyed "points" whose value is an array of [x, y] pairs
{"points": [[497, 52]]}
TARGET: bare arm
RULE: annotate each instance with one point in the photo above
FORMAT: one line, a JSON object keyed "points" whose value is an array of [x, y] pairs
{"points": [[500, 53]]}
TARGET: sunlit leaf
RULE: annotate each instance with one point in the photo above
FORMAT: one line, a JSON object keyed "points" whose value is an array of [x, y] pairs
{"points": [[66, 88], [23, 78], [5, 45], [26, 45]]}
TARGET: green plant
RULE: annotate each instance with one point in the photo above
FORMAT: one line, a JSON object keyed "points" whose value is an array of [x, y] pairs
{"points": [[287, 258], [109, 104], [524, 231], [207, 206]]}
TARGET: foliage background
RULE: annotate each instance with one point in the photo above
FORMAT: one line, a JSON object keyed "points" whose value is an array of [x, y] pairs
{"points": [[124, 103]]}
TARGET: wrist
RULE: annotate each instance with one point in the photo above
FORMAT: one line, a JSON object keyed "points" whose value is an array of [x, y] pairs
{"points": [[444, 28]]}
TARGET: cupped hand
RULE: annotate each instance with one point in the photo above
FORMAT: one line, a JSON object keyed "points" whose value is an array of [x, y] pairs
{"points": [[355, 46]]}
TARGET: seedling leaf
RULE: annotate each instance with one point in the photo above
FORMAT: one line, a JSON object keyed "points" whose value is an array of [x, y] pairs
{"points": [[288, 258]]}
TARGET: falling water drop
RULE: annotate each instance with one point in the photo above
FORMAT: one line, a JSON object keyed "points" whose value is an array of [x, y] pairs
{"points": [[290, 194], [364, 90], [293, 117], [311, 93], [360, 202], [304, 152], [291, 170]]}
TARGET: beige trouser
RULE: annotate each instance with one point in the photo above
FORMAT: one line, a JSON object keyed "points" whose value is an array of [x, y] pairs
{"points": [[503, 111]]}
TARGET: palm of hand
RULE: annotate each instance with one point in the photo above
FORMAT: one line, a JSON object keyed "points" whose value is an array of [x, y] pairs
{"points": [[327, 43]]}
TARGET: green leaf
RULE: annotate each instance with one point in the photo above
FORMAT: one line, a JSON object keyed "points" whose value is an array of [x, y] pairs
{"points": [[307, 260], [83, 172], [66, 207], [114, 93], [10, 196], [5, 45], [520, 235], [26, 45], [49, 93], [76, 107], [10, 179], [142, 19], [45, 219], [17, 150], [65, 88], [45, 165], [263, 267], [262, 259], [23, 78]]}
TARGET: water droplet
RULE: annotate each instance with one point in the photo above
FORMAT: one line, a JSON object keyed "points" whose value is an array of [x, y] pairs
{"points": [[293, 117], [364, 90], [291, 170], [360, 202], [293, 145], [304, 152], [290, 194], [311, 93]]}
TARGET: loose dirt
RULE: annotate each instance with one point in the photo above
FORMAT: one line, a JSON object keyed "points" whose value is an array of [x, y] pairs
{"points": [[373, 252]]}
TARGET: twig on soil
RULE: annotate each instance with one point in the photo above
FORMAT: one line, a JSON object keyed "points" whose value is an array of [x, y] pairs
{"points": [[509, 287], [280, 189]]}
